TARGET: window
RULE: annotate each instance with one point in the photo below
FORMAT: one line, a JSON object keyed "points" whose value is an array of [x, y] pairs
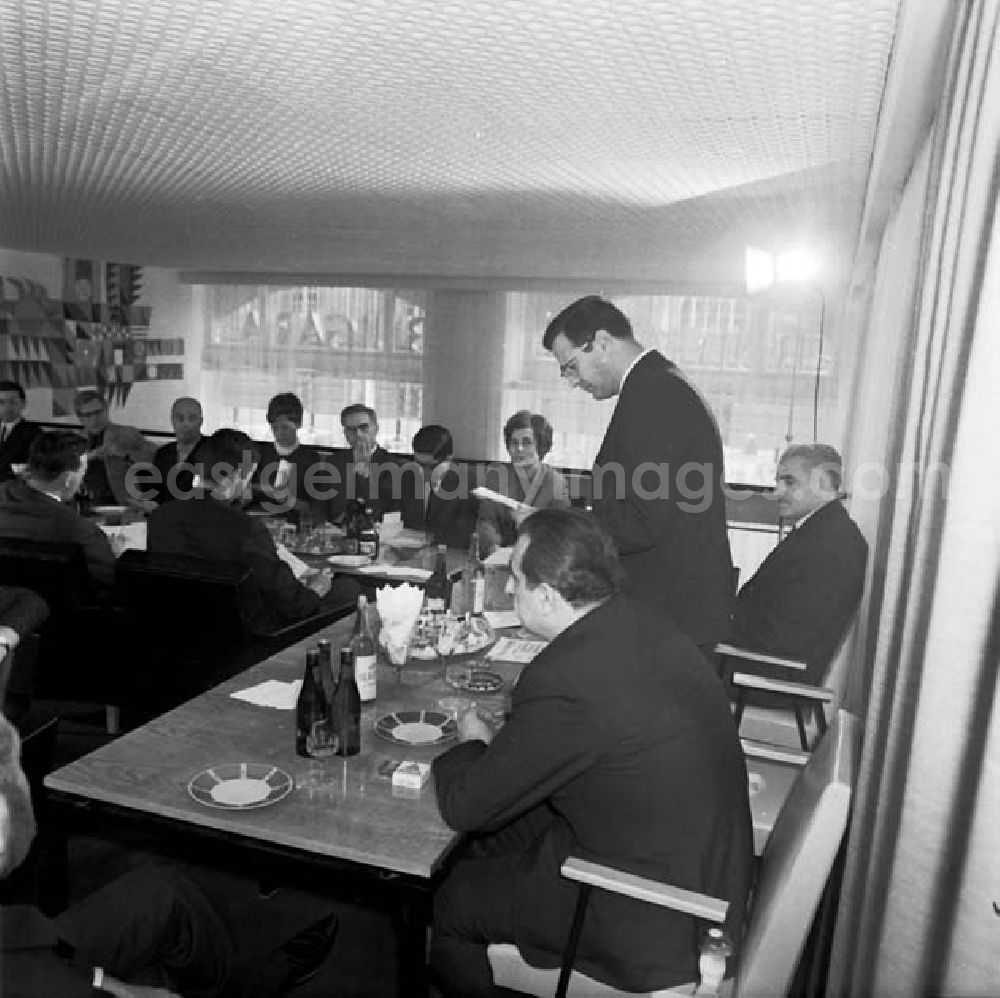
{"points": [[757, 365], [331, 346]]}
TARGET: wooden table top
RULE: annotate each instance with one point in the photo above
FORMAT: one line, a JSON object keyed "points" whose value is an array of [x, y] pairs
{"points": [[357, 816]]}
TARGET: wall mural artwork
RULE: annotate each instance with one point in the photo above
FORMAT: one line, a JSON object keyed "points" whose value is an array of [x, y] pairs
{"points": [[96, 336]]}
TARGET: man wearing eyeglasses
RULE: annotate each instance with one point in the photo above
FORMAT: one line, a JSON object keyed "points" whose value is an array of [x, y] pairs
{"points": [[363, 471], [658, 473], [111, 450]]}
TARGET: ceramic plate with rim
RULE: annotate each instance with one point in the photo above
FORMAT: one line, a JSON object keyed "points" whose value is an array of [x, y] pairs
{"points": [[108, 510], [473, 680], [238, 786], [417, 727]]}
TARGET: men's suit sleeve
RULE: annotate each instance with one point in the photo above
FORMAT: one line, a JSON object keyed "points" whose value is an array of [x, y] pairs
{"points": [[548, 741], [97, 553], [276, 582], [21, 609]]}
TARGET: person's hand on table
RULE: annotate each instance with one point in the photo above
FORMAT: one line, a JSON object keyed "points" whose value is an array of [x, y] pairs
{"points": [[472, 727], [362, 454], [320, 582]]}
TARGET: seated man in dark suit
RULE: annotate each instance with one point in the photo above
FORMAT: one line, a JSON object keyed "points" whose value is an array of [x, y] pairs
{"points": [[367, 470], [620, 747], [16, 432], [174, 461], [801, 600], [435, 495], [40, 506], [214, 527]]}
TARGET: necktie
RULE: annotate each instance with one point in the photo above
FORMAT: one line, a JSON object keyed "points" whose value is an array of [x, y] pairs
{"points": [[3, 434]]}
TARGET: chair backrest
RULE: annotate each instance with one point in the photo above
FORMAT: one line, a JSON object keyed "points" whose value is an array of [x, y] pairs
{"points": [[56, 570], [797, 861], [201, 601]]}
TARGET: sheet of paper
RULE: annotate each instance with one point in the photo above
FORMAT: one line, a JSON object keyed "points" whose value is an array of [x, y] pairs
{"points": [[500, 557], [515, 650], [502, 618], [129, 536], [271, 693], [297, 565], [484, 493]]}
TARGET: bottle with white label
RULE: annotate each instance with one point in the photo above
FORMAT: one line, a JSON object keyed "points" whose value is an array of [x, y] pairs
{"points": [[475, 580], [363, 646]]}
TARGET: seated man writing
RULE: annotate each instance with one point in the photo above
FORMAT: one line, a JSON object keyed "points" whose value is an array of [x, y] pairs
{"points": [[805, 593], [40, 506], [619, 748], [212, 526]]}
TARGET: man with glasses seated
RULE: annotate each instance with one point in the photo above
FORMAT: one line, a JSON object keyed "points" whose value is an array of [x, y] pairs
{"points": [[112, 449], [658, 475], [364, 471]]}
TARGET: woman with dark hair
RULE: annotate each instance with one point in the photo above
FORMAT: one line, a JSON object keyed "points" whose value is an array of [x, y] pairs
{"points": [[438, 502], [527, 479], [281, 480]]}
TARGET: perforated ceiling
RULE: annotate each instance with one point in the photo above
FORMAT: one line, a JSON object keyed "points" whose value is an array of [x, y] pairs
{"points": [[629, 138]]}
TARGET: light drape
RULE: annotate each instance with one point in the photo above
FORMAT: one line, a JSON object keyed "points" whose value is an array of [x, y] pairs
{"points": [[923, 866]]}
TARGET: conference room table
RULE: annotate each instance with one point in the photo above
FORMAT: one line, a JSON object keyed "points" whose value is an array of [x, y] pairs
{"points": [[343, 824]]}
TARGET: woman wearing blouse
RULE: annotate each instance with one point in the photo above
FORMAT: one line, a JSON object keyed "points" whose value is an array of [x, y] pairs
{"points": [[527, 479]]}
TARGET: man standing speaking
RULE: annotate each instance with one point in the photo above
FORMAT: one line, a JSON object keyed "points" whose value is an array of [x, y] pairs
{"points": [[658, 474]]}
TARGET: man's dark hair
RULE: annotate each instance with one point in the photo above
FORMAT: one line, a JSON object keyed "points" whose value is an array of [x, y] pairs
{"points": [[540, 428], [434, 440], [13, 386], [818, 457], [54, 452], [286, 404], [357, 409], [88, 395], [568, 549], [580, 322], [225, 451]]}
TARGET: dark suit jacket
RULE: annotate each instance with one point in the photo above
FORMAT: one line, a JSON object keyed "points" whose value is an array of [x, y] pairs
{"points": [[26, 512], [165, 460], [385, 496], [805, 593], [673, 547], [14, 449], [623, 731], [205, 528], [302, 479], [450, 518], [121, 447]]}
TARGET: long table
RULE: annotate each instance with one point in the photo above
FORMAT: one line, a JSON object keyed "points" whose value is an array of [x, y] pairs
{"points": [[354, 826]]}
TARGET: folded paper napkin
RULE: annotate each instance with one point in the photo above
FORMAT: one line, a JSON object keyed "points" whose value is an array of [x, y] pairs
{"points": [[500, 556], [398, 608], [502, 618], [271, 693]]}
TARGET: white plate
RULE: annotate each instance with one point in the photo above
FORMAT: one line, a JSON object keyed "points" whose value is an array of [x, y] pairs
{"points": [[108, 510], [238, 786], [417, 727], [349, 560]]}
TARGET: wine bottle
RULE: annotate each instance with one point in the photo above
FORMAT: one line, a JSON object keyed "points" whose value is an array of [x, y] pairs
{"points": [[367, 533], [475, 580], [437, 591], [310, 708], [345, 708], [363, 646]]}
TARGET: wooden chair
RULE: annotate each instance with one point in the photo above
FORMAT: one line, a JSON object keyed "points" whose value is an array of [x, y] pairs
{"points": [[795, 867], [802, 699]]}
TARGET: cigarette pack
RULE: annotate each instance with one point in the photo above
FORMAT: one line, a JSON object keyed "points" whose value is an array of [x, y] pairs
{"points": [[411, 775]]}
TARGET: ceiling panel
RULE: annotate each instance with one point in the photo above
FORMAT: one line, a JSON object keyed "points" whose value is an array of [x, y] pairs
{"points": [[573, 138]]}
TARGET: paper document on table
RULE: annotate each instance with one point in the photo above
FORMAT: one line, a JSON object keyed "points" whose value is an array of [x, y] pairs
{"points": [[297, 565], [482, 492], [271, 693], [395, 571], [501, 618], [514, 650], [127, 536], [500, 557]]}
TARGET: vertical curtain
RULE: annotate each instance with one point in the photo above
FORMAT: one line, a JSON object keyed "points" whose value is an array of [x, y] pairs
{"points": [[922, 875]]}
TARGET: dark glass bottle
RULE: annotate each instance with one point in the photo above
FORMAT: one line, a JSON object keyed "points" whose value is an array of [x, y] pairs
{"points": [[367, 534], [363, 646], [345, 708], [327, 671], [438, 587], [310, 708]]}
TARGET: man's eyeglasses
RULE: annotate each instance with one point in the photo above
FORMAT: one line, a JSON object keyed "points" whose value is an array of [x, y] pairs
{"points": [[90, 412], [570, 368], [361, 428]]}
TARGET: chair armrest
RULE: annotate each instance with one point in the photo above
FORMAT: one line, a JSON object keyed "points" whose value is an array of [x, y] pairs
{"points": [[804, 691], [762, 750], [643, 889], [732, 651]]}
